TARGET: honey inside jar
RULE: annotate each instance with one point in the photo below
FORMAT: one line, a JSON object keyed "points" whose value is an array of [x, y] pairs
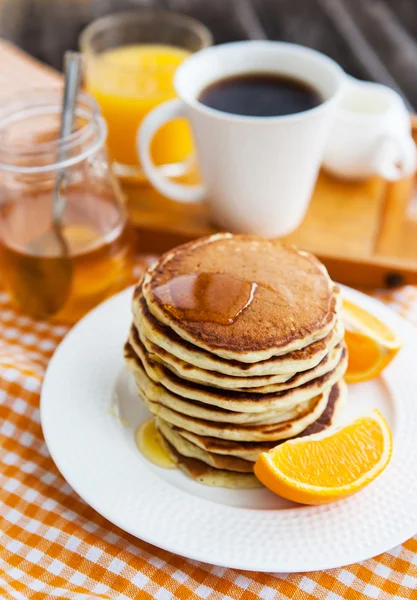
{"points": [[100, 265]]}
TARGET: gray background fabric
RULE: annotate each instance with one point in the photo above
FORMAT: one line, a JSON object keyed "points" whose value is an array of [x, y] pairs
{"points": [[372, 39]]}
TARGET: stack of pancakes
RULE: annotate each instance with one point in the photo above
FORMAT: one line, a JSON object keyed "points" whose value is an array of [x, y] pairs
{"points": [[229, 375]]}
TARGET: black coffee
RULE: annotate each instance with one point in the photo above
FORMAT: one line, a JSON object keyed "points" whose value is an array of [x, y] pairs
{"points": [[260, 95]]}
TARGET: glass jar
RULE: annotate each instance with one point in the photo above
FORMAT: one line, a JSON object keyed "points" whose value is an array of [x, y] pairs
{"points": [[49, 273]]}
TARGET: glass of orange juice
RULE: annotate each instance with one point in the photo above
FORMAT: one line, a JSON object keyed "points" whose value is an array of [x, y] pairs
{"points": [[130, 61]]}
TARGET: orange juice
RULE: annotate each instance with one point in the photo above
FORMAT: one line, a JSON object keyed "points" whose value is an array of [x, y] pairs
{"points": [[128, 82]]}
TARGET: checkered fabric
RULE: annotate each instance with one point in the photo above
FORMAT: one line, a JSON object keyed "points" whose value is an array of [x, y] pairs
{"points": [[53, 545]]}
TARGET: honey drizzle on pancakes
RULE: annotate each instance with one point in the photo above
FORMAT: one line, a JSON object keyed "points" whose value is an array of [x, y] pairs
{"points": [[210, 297], [207, 297]]}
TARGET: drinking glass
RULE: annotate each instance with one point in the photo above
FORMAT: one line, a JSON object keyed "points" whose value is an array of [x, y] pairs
{"points": [[95, 259], [130, 61]]}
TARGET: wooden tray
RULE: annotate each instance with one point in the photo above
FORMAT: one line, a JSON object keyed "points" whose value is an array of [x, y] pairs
{"points": [[364, 232]]}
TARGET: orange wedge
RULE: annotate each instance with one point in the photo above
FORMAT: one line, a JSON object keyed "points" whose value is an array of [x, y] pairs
{"points": [[371, 344], [330, 465]]}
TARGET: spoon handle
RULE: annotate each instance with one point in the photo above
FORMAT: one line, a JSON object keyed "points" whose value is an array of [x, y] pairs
{"points": [[73, 69]]}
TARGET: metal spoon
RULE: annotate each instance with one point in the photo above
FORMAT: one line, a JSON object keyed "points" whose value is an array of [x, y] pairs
{"points": [[50, 275], [72, 84]]}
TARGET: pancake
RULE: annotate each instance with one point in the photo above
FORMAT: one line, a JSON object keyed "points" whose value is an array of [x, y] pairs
{"points": [[196, 400], [153, 393], [251, 450], [249, 433], [198, 410], [183, 371], [204, 473], [262, 384], [294, 301], [165, 343], [186, 448]]}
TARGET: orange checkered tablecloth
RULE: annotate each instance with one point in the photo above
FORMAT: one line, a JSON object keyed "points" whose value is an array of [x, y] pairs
{"points": [[53, 545]]}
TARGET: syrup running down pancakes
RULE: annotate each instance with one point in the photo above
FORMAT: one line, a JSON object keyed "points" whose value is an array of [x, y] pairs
{"points": [[236, 345]]}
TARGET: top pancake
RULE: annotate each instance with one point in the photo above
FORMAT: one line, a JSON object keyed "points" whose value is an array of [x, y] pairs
{"points": [[293, 306], [160, 339]]}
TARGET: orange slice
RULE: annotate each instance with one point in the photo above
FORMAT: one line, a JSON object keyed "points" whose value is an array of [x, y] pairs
{"points": [[330, 465], [371, 344]]}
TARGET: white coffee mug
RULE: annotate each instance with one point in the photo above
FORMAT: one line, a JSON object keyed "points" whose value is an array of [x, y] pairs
{"points": [[371, 134], [258, 172]]}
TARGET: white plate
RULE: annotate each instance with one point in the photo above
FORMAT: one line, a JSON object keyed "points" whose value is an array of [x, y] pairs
{"points": [[245, 529]]}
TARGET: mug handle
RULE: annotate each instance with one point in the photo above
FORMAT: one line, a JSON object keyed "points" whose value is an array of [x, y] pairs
{"points": [[160, 115], [396, 157]]}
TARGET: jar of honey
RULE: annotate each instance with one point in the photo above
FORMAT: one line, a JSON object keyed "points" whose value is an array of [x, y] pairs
{"points": [[94, 258]]}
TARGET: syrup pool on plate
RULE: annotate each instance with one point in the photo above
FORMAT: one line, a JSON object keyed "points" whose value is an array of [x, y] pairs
{"points": [[149, 444]]}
